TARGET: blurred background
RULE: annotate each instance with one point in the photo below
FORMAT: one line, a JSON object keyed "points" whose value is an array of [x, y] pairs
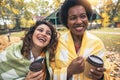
{"points": [[17, 16]]}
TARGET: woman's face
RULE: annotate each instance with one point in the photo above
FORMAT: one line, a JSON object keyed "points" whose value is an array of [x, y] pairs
{"points": [[77, 20], [42, 36]]}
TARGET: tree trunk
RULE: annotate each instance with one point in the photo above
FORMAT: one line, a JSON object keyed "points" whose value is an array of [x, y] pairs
{"points": [[114, 11], [17, 25]]}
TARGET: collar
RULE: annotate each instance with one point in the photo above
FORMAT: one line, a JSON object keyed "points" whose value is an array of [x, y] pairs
{"points": [[32, 59]]}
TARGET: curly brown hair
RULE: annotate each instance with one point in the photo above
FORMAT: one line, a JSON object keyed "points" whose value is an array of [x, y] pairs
{"points": [[28, 42]]}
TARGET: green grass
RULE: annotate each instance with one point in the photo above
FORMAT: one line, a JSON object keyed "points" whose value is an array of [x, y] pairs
{"points": [[18, 34], [111, 41], [107, 29]]}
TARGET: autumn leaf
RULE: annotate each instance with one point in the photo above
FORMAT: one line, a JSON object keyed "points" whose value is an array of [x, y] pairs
{"points": [[15, 11]]}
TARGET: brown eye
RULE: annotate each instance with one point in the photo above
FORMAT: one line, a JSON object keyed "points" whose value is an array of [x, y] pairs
{"points": [[40, 30], [83, 16], [48, 33], [72, 18]]}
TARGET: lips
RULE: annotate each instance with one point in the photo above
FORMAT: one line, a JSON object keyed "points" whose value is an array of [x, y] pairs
{"points": [[79, 28], [42, 39]]}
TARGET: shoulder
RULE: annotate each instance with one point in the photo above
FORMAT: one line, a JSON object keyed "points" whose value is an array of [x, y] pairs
{"points": [[15, 46], [93, 40], [92, 37], [63, 34], [11, 60], [14, 50]]}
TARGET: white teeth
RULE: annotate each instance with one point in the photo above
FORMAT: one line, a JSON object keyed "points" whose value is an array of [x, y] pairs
{"points": [[42, 39], [79, 28]]}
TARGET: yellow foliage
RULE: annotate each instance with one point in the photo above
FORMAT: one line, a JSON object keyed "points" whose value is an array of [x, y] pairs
{"points": [[107, 9], [10, 26], [19, 1], [105, 22], [115, 19], [108, 2], [30, 22], [15, 11], [99, 21], [8, 7], [104, 15], [23, 22], [57, 3], [3, 13], [93, 2], [105, 19], [27, 23], [2, 3]]}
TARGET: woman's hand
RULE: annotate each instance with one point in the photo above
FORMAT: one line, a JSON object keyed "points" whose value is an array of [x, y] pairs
{"points": [[35, 75], [97, 74], [76, 66]]}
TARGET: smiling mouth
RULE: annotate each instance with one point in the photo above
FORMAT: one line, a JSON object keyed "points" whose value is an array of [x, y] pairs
{"points": [[42, 39], [79, 28]]}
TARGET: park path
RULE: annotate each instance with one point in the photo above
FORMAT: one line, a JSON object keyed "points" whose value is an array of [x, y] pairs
{"points": [[103, 32]]}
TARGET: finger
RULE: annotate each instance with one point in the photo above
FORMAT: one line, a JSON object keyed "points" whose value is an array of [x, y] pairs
{"points": [[82, 66], [28, 76], [39, 77], [80, 60], [95, 77], [101, 69], [96, 74], [98, 70], [36, 74]]}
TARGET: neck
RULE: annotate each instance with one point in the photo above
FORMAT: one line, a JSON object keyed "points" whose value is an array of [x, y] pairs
{"points": [[36, 52], [77, 42], [77, 39]]}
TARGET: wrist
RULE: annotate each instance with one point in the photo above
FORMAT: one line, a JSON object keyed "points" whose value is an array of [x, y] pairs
{"points": [[69, 73]]}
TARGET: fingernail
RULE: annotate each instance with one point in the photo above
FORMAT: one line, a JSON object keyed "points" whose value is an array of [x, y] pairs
{"points": [[98, 68], [91, 70]]}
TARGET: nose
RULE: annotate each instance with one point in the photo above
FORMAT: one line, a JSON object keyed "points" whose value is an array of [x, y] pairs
{"points": [[79, 20], [44, 33]]}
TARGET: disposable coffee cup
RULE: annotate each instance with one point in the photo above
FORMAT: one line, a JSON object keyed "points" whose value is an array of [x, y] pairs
{"points": [[92, 62], [35, 66]]}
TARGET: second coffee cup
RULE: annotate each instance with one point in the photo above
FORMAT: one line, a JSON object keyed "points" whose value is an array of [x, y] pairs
{"points": [[92, 62]]}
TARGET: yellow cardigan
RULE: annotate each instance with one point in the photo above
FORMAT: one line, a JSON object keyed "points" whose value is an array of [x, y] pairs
{"points": [[65, 53]]}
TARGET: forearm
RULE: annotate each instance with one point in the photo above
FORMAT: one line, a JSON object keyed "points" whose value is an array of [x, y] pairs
{"points": [[69, 73]]}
